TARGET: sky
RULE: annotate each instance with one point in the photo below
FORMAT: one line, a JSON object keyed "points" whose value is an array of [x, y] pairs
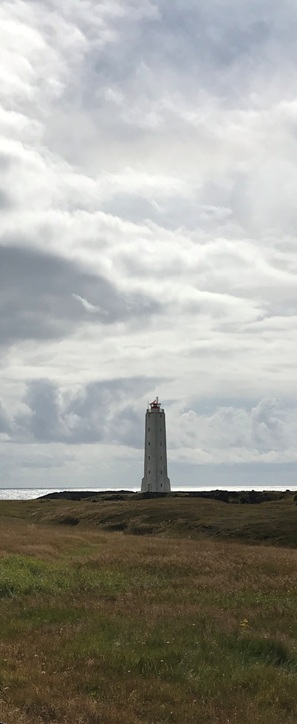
{"points": [[148, 183]]}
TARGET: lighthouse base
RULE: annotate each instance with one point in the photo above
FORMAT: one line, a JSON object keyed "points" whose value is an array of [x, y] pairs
{"points": [[155, 486]]}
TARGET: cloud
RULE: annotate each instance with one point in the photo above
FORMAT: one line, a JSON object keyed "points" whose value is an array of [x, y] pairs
{"points": [[4, 421], [233, 434], [148, 231], [91, 308], [97, 412], [112, 412], [37, 299]]}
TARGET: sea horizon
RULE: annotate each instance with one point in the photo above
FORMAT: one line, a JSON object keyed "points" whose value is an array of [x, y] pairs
{"points": [[33, 493]]}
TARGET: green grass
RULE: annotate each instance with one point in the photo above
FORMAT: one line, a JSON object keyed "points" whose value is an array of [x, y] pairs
{"points": [[105, 627]]}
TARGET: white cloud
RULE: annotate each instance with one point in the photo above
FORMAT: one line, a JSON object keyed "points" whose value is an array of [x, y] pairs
{"points": [[91, 308], [147, 194]]}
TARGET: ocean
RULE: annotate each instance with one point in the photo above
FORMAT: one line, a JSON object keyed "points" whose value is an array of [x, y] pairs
{"points": [[31, 493]]}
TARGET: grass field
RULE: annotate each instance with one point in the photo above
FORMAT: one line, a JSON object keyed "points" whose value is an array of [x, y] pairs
{"points": [[97, 626], [273, 522]]}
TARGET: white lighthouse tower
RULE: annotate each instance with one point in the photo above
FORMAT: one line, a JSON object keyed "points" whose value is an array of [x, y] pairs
{"points": [[155, 479]]}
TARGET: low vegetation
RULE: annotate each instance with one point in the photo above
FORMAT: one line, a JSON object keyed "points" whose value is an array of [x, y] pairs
{"points": [[97, 626], [273, 521]]}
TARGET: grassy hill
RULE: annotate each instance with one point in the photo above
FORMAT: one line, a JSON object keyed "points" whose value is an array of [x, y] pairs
{"points": [[272, 522], [185, 621]]}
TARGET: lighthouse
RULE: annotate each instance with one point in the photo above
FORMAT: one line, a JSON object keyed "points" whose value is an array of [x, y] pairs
{"points": [[155, 479]]}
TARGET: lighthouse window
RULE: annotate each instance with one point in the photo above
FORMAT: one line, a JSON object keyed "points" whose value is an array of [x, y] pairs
{"points": [[149, 443], [161, 444], [149, 429], [161, 472], [149, 457], [149, 472]]}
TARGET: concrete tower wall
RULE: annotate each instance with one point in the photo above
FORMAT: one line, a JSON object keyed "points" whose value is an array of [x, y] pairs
{"points": [[155, 479]]}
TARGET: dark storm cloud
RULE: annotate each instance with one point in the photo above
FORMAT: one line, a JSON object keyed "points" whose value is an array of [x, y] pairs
{"points": [[44, 296], [97, 412]]}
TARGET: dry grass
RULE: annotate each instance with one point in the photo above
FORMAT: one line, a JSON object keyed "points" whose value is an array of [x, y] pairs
{"points": [[273, 522], [105, 627]]}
